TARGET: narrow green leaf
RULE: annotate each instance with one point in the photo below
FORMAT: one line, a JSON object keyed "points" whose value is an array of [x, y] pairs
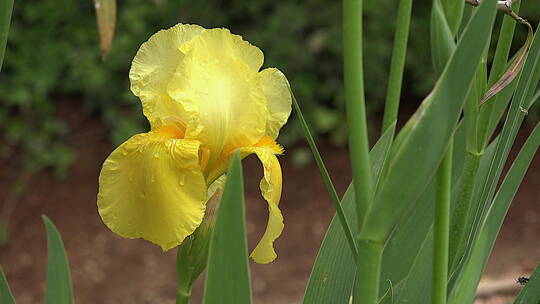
{"points": [[453, 10], [491, 112], [429, 137], [227, 280], [528, 80], [399, 52], [531, 292], [6, 297], [332, 275], [6, 8], [59, 289], [441, 227], [442, 38], [106, 19], [326, 178], [403, 246], [465, 286], [418, 288]]}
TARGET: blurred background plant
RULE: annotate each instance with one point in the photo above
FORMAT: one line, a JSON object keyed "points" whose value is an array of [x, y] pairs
{"points": [[55, 57]]}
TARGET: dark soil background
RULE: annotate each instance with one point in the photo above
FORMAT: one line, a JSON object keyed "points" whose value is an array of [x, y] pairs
{"points": [[109, 269]]}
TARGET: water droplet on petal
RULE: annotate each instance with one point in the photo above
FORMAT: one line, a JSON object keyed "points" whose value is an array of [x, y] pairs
{"points": [[182, 180], [156, 155]]}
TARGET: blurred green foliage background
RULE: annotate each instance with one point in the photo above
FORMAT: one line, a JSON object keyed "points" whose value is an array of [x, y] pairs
{"points": [[53, 54]]}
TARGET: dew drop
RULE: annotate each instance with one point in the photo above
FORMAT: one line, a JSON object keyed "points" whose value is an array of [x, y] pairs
{"points": [[182, 180], [156, 155]]}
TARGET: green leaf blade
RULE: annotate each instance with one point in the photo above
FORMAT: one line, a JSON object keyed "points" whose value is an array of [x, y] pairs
{"points": [[6, 8], [429, 137], [6, 297], [227, 280], [59, 289], [332, 276], [465, 286]]}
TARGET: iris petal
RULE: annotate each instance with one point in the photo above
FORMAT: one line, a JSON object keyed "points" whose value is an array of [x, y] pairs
{"points": [[218, 85], [151, 187], [153, 68], [266, 150], [278, 100]]}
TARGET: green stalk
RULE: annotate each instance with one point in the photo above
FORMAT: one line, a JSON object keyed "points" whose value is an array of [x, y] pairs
{"points": [[460, 219], [369, 265], [182, 297], [6, 7], [488, 117], [327, 180], [442, 227], [461, 215], [397, 66], [356, 111], [184, 271], [369, 262]]}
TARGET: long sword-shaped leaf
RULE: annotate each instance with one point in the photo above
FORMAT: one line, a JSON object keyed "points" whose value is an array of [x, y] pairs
{"points": [[405, 244], [527, 83], [6, 7], [326, 177], [465, 287], [59, 289], [333, 273], [5, 293], [489, 113], [418, 288], [227, 280], [531, 292], [419, 156], [407, 238]]}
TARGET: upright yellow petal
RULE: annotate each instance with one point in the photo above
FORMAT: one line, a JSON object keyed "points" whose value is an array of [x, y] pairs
{"points": [[218, 85], [270, 185], [151, 187], [278, 100], [153, 68]]}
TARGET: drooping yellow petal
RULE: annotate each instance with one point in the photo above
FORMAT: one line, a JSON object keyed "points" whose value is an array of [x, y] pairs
{"points": [[270, 184], [278, 100], [218, 85], [151, 187], [153, 68]]}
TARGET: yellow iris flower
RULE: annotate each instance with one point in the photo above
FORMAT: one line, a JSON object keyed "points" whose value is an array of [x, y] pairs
{"points": [[205, 97]]}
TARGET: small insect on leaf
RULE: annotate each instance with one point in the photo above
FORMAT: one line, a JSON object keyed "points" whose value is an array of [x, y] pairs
{"points": [[522, 280]]}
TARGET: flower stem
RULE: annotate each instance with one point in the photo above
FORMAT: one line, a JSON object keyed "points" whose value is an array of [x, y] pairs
{"points": [[356, 112], [183, 296], [442, 227], [327, 180], [460, 217], [399, 52], [184, 273], [369, 262], [369, 266]]}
